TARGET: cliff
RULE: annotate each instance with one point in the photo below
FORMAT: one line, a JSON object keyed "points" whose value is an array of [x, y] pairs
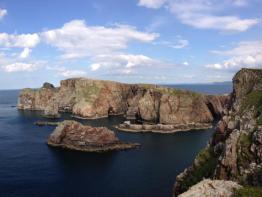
{"points": [[235, 150], [86, 98]]}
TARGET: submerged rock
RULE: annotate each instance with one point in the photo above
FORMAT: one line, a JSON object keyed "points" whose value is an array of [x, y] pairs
{"points": [[76, 136]]}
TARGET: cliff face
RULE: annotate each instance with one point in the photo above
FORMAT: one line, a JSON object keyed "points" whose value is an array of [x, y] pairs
{"points": [[88, 98], [235, 151]]}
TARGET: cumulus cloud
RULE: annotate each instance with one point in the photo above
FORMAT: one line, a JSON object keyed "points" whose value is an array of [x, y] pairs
{"points": [[127, 63], [204, 14], [239, 2], [76, 39], [246, 54], [19, 41], [179, 43], [152, 3], [20, 67], [73, 73], [3, 12], [185, 63], [25, 53], [63, 71]]}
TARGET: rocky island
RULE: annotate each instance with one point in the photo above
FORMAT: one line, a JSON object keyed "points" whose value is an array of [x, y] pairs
{"points": [[76, 136], [147, 107], [235, 150]]}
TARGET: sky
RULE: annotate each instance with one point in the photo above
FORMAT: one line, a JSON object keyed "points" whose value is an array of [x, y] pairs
{"points": [[132, 41]]}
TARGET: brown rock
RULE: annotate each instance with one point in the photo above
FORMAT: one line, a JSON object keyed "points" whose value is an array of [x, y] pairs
{"points": [[74, 135]]}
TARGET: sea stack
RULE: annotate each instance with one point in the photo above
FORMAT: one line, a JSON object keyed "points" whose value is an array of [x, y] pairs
{"points": [[76, 136]]}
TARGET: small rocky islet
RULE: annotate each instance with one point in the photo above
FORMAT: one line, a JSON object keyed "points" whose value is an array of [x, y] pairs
{"points": [[76, 136], [231, 162]]}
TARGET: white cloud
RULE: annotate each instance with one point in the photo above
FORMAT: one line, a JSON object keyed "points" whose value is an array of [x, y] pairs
{"points": [[19, 41], [240, 2], [179, 43], [151, 3], [246, 54], [19, 67], [63, 71], [73, 73], [76, 39], [121, 61], [95, 66], [25, 53], [127, 63], [204, 14], [182, 43], [3, 12], [185, 63], [225, 23]]}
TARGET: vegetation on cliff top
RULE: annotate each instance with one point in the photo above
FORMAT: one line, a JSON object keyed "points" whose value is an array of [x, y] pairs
{"points": [[206, 164], [253, 99], [249, 192]]}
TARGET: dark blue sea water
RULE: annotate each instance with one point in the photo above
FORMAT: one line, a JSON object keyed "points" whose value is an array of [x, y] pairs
{"points": [[28, 167]]}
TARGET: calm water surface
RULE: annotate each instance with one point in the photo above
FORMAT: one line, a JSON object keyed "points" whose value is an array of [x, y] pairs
{"points": [[28, 167]]}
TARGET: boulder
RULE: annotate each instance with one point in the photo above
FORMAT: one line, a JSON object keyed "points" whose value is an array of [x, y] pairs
{"points": [[212, 188]]}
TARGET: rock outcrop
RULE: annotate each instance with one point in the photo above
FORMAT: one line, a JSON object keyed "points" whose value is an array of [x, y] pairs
{"points": [[86, 98], [161, 128], [73, 135], [234, 152], [212, 188]]}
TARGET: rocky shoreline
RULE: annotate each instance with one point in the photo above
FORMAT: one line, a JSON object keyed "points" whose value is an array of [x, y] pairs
{"points": [[46, 123], [98, 149], [161, 128], [76, 136]]}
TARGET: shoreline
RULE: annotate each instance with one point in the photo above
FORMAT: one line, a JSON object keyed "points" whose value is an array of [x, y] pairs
{"points": [[95, 118], [97, 149], [162, 131]]}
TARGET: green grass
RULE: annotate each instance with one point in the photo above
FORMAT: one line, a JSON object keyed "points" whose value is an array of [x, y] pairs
{"points": [[89, 93], [249, 192], [253, 99], [207, 164]]}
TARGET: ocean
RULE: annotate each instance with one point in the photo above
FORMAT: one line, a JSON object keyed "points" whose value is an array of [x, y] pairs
{"points": [[28, 167]]}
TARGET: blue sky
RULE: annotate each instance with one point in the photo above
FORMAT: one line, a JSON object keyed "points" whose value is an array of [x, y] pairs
{"points": [[147, 41]]}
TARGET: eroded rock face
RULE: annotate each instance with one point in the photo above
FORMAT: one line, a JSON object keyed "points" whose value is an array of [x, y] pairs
{"points": [[88, 98], [74, 135], [246, 81], [234, 152], [214, 188]]}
